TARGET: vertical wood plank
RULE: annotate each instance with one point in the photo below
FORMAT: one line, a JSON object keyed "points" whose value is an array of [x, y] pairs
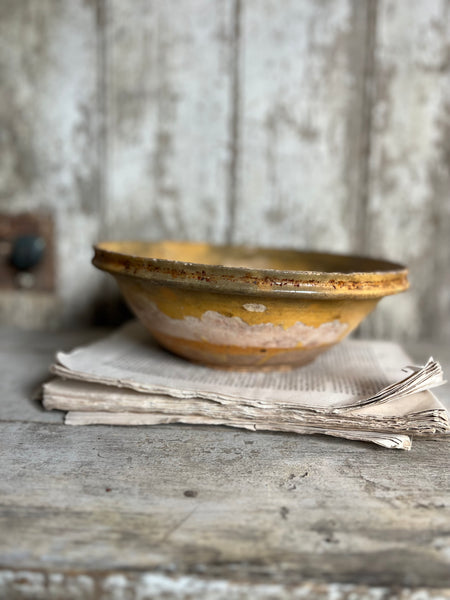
{"points": [[408, 213], [301, 123], [244, 120], [49, 141], [168, 86]]}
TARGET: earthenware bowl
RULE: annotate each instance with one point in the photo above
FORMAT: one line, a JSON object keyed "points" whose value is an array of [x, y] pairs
{"points": [[246, 308]]}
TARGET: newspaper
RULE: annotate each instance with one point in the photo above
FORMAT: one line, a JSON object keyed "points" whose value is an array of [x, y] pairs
{"points": [[357, 390]]}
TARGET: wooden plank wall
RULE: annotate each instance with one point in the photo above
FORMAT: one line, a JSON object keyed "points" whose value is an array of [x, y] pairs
{"points": [[319, 124], [50, 141]]}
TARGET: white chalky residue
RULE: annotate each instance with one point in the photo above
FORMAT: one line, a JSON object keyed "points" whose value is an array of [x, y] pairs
{"points": [[216, 328], [255, 307]]}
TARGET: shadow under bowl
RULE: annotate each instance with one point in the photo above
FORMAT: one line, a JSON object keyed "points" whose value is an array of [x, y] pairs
{"points": [[239, 307]]}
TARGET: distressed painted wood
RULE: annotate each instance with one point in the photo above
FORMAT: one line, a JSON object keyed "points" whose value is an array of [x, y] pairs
{"points": [[168, 73], [408, 211], [301, 131], [25, 357], [174, 511], [225, 504], [130, 586], [49, 142], [321, 124], [135, 586]]}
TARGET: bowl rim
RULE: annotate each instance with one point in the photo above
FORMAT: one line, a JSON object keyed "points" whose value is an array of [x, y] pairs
{"points": [[392, 279]]}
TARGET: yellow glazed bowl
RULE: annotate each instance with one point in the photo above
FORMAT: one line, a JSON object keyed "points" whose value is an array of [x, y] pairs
{"points": [[246, 308]]}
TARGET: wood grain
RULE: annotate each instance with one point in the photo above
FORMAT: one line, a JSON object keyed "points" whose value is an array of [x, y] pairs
{"points": [[102, 585], [49, 122], [230, 504], [301, 123], [25, 357], [321, 125], [101, 513], [408, 216], [168, 71]]}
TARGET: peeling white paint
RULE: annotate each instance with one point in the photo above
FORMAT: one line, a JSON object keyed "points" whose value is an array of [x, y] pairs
{"points": [[291, 85], [158, 585]]}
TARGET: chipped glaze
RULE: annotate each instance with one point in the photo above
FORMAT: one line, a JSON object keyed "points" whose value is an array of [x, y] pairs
{"points": [[239, 307], [255, 307], [216, 328]]}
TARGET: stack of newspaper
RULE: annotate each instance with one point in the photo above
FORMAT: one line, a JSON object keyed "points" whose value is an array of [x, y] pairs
{"points": [[359, 390]]}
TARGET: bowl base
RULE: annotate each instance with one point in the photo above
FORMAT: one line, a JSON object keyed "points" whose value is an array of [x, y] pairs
{"points": [[236, 358]]}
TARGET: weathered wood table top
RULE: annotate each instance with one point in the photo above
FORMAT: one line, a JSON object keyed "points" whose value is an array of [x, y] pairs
{"points": [[103, 512]]}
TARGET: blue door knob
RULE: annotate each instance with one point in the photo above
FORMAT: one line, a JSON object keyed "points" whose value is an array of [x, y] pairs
{"points": [[27, 251]]}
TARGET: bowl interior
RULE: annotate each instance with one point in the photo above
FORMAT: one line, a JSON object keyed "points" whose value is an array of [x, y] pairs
{"points": [[249, 257]]}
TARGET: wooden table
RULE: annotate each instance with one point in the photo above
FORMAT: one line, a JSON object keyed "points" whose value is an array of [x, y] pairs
{"points": [[105, 512]]}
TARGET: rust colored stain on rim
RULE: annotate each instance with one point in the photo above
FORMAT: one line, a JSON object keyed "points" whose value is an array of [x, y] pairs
{"points": [[242, 307], [328, 275]]}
